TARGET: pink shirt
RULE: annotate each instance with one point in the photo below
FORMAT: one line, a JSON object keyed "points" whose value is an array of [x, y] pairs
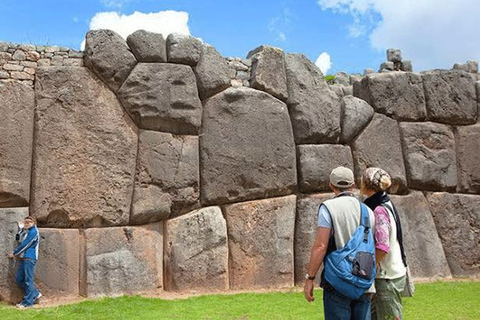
{"points": [[382, 229]]}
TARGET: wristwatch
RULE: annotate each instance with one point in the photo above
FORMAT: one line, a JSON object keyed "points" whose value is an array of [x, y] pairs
{"points": [[309, 277]]}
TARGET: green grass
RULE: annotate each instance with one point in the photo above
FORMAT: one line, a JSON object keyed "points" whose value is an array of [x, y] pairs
{"points": [[439, 300]]}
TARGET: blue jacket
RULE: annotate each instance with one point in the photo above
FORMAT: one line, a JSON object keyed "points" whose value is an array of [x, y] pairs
{"points": [[29, 246]]}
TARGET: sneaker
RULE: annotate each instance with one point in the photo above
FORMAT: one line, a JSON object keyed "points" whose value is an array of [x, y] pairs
{"points": [[37, 298], [21, 306]]}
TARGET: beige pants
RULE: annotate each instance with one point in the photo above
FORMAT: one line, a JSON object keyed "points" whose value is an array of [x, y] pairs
{"points": [[387, 302]]}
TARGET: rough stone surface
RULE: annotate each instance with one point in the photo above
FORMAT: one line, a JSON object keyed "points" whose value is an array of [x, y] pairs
{"points": [[394, 55], [9, 291], [212, 72], [122, 260], [429, 153], [423, 248], [148, 46], [356, 114], [306, 232], [314, 108], [58, 265], [396, 94], [246, 147], [450, 97], [167, 179], [469, 66], [260, 241], [85, 151], [196, 251], [379, 146], [183, 49], [468, 157], [162, 97], [107, 54], [16, 137], [315, 162], [268, 71], [457, 219], [406, 65]]}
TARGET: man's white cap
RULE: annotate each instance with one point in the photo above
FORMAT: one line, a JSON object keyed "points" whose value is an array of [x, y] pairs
{"points": [[342, 177]]}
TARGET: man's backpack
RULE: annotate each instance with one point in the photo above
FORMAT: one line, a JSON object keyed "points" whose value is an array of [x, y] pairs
{"points": [[351, 270]]}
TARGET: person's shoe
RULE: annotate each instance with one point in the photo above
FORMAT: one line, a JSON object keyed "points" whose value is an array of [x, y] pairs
{"points": [[37, 298], [21, 306]]}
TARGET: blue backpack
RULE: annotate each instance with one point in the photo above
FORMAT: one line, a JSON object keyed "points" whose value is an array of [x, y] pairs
{"points": [[351, 270]]}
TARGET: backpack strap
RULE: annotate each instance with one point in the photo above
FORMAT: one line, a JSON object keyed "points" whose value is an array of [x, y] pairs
{"points": [[364, 220]]}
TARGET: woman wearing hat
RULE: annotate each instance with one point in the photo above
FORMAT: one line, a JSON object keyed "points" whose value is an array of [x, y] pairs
{"points": [[391, 262]]}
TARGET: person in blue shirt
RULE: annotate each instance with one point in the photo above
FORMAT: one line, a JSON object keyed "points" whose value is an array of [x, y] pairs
{"points": [[27, 253]]}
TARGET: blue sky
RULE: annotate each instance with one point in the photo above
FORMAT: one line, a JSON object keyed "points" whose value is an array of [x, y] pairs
{"points": [[351, 34]]}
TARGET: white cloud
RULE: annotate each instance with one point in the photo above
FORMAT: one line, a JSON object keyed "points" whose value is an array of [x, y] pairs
{"points": [[114, 3], [323, 62], [164, 22], [280, 24], [431, 33]]}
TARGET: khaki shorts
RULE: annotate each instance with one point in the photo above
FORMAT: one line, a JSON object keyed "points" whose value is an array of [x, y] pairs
{"points": [[387, 302]]}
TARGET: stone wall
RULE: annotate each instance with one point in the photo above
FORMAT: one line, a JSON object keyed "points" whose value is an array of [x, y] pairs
{"points": [[157, 164]]}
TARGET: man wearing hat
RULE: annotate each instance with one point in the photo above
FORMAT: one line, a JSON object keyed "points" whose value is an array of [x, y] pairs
{"points": [[337, 220]]}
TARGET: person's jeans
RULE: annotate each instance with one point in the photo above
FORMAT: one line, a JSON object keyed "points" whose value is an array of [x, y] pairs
{"points": [[24, 278], [336, 306]]}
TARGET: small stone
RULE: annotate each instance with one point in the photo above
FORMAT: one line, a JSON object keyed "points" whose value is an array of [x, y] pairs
{"points": [[12, 67], [3, 46], [33, 55], [44, 62], [49, 55], [394, 55], [406, 65], [27, 47], [238, 66], [30, 71], [469, 66], [75, 54], [236, 83], [29, 64], [19, 55], [21, 75], [368, 71], [4, 75], [387, 65], [242, 75], [247, 62], [64, 49], [51, 49], [40, 48], [73, 62], [5, 56], [57, 61], [246, 83]]}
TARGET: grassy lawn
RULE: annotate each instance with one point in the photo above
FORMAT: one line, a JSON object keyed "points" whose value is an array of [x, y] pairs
{"points": [[439, 300]]}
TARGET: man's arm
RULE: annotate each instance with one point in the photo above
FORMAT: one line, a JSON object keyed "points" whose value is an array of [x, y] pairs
{"points": [[317, 254], [27, 242]]}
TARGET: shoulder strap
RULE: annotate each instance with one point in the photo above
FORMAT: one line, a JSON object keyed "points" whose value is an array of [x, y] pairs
{"points": [[394, 212], [364, 216]]}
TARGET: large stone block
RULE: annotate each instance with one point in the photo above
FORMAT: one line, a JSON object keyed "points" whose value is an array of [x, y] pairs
{"points": [[148, 46], [457, 218], [268, 71], [429, 152], [423, 248], [314, 108], [306, 223], [450, 96], [317, 161], [58, 267], [162, 97], [356, 114], [9, 291], [167, 178], [396, 94], [379, 146], [260, 242], [246, 147], [16, 132], [196, 251], [122, 260], [212, 72], [85, 151], [107, 54], [183, 49], [468, 157]]}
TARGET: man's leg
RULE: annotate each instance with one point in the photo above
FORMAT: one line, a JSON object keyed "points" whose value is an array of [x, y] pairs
{"points": [[31, 293], [20, 277], [361, 307], [336, 306]]}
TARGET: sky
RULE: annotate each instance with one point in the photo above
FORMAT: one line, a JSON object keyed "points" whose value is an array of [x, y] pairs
{"points": [[337, 35]]}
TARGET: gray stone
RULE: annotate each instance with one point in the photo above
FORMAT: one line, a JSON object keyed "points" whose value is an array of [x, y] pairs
{"points": [[423, 248], [167, 180], [183, 49], [306, 222], [429, 153], [9, 291], [4, 75], [122, 260], [75, 54], [33, 56], [388, 65], [317, 161], [72, 62], [457, 219], [468, 157], [356, 114], [246, 147], [394, 55], [260, 241], [342, 78], [162, 97], [85, 151], [338, 89], [212, 72], [44, 62], [238, 65], [450, 97], [20, 75], [368, 71], [12, 67], [16, 131], [314, 108], [19, 55], [379, 146], [396, 94], [148, 46], [58, 267], [107, 54], [242, 75], [268, 71], [406, 66], [52, 49], [3, 46], [196, 251], [469, 66], [347, 90]]}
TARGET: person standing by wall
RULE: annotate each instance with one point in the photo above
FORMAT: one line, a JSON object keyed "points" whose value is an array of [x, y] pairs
{"points": [[27, 253], [390, 256]]}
